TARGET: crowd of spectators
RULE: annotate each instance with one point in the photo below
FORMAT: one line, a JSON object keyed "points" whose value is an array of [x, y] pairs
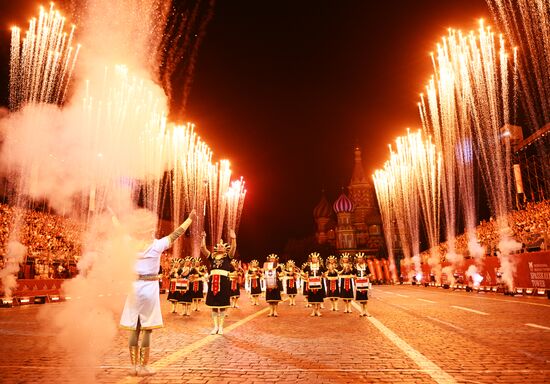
{"points": [[52, 241], [529, 226]]}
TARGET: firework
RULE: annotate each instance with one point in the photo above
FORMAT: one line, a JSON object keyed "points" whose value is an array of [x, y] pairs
{"points": [[42, 64]]}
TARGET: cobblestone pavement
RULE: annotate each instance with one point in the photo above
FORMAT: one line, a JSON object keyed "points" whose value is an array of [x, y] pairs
{"points": [[416, 335]]}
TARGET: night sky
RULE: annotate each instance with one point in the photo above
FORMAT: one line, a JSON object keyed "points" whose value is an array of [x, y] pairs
{"points": [[286, 89]]}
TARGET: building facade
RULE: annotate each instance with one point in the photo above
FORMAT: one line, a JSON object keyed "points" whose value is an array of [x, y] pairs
{"points": [[358, 225]]}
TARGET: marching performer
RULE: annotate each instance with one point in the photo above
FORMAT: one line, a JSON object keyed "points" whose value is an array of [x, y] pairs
{"points": [[272, 272], [304, 285], [253, 277], [219, 286], [313, 273], [291, 276], [362, 283], [197, 286], [236, 283], [347, 277], [183, 285], [173, 294], [332, 286], [142, 312]]}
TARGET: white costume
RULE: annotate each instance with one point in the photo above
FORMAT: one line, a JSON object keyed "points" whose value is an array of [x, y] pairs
{"points": [[144, 302]]}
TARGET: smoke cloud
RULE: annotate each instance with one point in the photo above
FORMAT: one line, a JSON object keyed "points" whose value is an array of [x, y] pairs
{"points": [[15, 255], [87, 156]]}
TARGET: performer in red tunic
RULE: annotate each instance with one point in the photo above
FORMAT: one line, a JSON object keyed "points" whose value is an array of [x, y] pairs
{"points": [[219, 287], [253, 277], [236, 283], [332, 286], [183, 284], [362, 282], [272, 272], [347, 281], [173, 294], [198, 283], [313, 273], [291, 278]]}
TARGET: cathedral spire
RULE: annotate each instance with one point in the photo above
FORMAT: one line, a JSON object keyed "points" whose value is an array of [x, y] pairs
{"points": [[358, 176]]}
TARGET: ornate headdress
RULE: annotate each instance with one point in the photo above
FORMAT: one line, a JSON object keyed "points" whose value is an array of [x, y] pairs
{"points": [[176, 260], [344, 256], [272, 255], [290, 263], [332, 260], [313, 254], [254, 263], [188, 259], [359, 256], [222, 247]]}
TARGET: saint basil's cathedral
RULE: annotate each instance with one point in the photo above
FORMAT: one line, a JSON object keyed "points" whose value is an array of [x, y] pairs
{"points": [[358, 225]]}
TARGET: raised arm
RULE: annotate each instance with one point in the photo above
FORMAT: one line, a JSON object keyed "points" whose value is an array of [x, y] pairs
{"points": [[204, 250], [233, 244], [182, 228]]}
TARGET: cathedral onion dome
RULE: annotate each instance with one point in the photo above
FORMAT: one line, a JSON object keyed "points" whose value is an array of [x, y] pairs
{"points": [[343, 204], [322, 209]]}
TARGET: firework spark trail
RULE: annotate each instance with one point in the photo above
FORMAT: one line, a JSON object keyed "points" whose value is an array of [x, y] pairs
{"points": [[185, 30], [432, 121], [41, 65], [400, 173], [406, 176], [426, 161], [527, 26], [128, 111], [384, 187], [224, 178], [451, 101], [235, 201], [468, 104]]}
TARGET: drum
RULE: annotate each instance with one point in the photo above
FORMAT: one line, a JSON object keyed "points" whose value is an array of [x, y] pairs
{"points": [[182, 284], [314, 282], [362, 283]]}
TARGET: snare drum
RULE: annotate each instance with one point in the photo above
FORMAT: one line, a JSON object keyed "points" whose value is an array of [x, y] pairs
{"points": [[362, 283], [182, 284], [314, 282]]}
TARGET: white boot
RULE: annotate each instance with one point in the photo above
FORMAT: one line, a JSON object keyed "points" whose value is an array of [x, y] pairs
{"points": [[221, 318], [215, 319]]}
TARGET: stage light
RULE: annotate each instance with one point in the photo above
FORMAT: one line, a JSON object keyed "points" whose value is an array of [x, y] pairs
{"points": [[24, 300], [519, 290], [54, 298], [40, 299]]}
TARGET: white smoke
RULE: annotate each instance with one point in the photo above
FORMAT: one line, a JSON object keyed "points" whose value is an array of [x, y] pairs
{"points": [[88, 151], [434, 261], [15, 255], [449, 273], [476, 250], [507, 247], [473, 273]]}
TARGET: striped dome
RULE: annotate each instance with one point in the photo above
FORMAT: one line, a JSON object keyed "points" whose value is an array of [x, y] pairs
{"points": [[322, 209], [343, 204]]}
